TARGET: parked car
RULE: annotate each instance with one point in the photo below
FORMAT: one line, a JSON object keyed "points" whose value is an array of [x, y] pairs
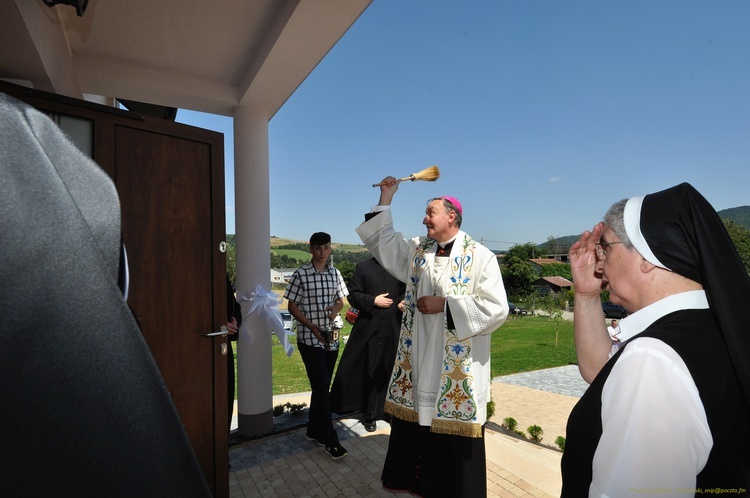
{"points": [[286, 317], [351, 315], [611, 310], [516, 310]]}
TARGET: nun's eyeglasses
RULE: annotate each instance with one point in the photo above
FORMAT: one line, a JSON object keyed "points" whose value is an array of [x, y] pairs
{"points": [[602, 248]]}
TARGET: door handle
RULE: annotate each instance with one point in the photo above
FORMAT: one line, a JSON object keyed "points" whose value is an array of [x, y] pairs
{"points": [[222, 332]]}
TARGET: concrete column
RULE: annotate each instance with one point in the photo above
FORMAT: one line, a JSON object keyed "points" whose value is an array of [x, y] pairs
{"points": [[253, 227]]}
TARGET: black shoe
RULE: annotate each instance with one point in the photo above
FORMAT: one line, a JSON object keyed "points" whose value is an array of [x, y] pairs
{"points": [[370, 425], [309, 438], [336, 451]]}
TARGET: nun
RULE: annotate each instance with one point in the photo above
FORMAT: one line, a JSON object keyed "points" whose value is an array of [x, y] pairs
{"points": [[666, 411]]}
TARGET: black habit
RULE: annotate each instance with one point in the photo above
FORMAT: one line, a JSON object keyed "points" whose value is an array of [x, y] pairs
{"points": [[367, 361]]}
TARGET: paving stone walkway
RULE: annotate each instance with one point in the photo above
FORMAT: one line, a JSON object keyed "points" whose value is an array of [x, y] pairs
{"points": [[287, 465]]}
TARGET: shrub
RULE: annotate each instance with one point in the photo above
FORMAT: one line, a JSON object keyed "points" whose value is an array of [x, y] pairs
{"points": [[560, 442], [490, 409], [535, 433], [294, 408], [510, 424]]}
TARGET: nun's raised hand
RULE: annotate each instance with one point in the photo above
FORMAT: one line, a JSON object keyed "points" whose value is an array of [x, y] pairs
{"points": [[583, 263]]}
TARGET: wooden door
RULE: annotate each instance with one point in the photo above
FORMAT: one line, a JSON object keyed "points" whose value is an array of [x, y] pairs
{"points": [[170, 180], [168, 193]]}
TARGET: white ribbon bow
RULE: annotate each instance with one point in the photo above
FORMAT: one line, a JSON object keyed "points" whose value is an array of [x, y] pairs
{"points": [[267, 306]]}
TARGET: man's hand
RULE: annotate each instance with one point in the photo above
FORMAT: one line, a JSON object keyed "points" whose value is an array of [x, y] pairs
{"points": [[316, 332], [429, 305], [232, 327], [302, 319], [383, 301], [388, 187], [334, 309]]}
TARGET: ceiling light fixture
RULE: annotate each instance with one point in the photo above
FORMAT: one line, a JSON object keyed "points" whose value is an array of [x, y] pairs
{"points": [[80, 5]]}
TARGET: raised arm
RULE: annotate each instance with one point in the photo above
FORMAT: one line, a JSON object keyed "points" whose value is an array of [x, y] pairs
{"points": [[593, 343], [388, 188]]}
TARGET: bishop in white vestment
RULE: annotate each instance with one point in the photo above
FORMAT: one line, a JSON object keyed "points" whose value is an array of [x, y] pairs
{"points": [[440, 385]]}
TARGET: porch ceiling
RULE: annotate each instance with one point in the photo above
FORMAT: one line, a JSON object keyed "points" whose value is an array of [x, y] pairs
{"points": [[207, 56]]}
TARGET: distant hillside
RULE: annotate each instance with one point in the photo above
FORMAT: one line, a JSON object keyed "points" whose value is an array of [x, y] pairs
{"points": [[560, 244], [739, 215], [277, 242]]}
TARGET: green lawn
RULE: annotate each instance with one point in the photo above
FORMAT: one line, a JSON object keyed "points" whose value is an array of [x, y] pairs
{"points": [[522, 344], [350, 247], [527, 343], [293, 253]]}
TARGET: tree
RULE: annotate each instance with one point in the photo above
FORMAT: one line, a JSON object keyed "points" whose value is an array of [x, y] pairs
{"points": [[231, 254], [741, 238], [555, 245], [345, 261], [556, 270], [351, 256], [518, 276], [231, 263], [552, 304], [524, 252], [347, 270], [284, 261]]}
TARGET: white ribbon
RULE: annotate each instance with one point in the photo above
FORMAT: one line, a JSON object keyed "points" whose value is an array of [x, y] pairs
{"points": [[267, 306]]}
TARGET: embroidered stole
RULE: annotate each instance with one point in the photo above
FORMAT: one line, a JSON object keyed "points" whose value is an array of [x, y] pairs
{"points": [[455, 411]]}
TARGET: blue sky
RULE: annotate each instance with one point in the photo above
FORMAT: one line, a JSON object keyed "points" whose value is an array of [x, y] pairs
{"points": [[539, 114]]}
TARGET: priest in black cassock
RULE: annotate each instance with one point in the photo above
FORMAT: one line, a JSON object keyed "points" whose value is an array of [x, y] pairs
{"points": [[365, 367]]}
